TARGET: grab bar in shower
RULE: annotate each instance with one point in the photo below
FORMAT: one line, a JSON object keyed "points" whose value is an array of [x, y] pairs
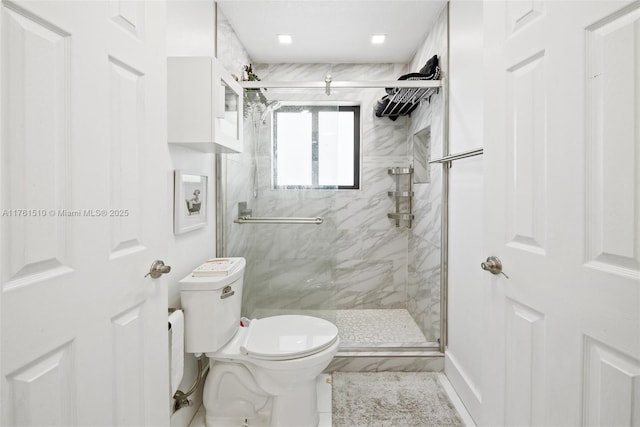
{"points": [[278, 220]]}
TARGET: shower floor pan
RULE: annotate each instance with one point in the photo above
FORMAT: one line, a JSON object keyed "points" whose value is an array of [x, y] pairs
{"points": [[373, 340], [370, 328]]}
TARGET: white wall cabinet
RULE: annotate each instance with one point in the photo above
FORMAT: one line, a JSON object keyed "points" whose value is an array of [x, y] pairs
{"points": [[204, 105]]}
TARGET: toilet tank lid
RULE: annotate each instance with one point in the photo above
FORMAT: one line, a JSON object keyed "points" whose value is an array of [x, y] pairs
{"points": [[217, 280]]}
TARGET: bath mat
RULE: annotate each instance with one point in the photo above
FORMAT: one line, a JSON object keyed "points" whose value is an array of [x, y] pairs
{"points": [[391, 399]]}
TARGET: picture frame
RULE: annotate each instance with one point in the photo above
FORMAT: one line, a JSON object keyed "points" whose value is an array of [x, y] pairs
{"points": [[189, 200]]}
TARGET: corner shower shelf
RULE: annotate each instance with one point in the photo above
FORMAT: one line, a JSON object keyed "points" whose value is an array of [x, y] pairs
{"points": [[401, 216], [400, 195], [400, 170]]}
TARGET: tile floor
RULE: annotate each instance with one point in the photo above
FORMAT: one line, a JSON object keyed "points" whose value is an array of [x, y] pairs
{"points": [[324, 403], [366, 328]]}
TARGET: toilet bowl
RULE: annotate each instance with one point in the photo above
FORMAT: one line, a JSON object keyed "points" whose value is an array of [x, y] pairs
{"points": [[281, 357], [264, 371]]}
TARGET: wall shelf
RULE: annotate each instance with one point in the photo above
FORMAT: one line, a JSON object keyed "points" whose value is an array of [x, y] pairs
{"points": [[400, 171], [403, 197], [403, 101], [402, 216], [400, 193]]}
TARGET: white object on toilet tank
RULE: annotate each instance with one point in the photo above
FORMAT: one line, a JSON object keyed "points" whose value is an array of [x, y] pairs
{"points": [[211, 309]]}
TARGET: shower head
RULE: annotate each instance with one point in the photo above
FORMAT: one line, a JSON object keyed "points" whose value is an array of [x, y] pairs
{"points": [[271, 107]]}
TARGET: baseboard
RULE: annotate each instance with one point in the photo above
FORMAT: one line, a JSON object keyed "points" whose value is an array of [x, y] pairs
{"points": [[465, 388]]}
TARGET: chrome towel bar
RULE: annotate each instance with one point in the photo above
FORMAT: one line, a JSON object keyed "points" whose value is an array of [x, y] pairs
{"points": [[278, 220], [462, 155], [341, 84]]}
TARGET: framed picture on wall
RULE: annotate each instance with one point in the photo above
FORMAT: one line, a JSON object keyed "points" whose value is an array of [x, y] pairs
{"points": [[190, 201]]}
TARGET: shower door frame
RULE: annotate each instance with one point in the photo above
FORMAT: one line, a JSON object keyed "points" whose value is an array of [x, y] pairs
{"points": [[354, 84]]}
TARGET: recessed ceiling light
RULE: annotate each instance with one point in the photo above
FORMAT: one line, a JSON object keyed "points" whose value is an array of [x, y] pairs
{"points": [[378, 38], [285, 39]]}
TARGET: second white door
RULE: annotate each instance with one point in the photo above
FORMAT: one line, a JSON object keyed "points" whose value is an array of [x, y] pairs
{"points": [[563, 213]]}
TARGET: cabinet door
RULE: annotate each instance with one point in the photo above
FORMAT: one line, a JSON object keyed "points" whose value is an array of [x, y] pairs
{"points": [[204, 105], [189, 108], [227, 121]]}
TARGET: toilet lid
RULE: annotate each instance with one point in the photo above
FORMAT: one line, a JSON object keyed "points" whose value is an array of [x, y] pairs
{"points": [[288, 337]]}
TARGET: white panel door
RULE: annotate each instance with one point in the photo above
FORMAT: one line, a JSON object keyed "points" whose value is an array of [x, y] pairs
{"points": [[84, 213], [562, 187]]}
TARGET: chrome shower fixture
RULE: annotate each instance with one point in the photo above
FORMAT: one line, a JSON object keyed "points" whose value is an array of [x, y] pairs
{"points": [[270, 107]]}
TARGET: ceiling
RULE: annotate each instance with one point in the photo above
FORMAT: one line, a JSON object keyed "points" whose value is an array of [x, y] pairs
{"points": [[331, 31]]}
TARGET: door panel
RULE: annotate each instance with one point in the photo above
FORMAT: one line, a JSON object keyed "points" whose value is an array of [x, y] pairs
{"points": [[524, 335], [562, 142], [526, 121], [129, 354], [129, 16], [127, 129], [521, 13], [612, 382], [31, 386], [83, 148], [613, 154], [37, 59]]}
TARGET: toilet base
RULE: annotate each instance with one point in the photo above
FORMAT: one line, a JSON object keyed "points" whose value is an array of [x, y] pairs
{"points": [[262, 420], [298, 408], [231, 395]]}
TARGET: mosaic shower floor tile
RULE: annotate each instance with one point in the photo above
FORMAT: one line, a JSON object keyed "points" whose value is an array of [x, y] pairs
{"points": [[377, 327], [366, 328]]}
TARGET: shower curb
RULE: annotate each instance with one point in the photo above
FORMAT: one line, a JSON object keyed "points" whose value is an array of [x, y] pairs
{"points": [[396, 360]]}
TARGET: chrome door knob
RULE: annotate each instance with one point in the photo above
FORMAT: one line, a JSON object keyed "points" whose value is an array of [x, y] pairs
{"points": [[493, 265], [158, 269]]}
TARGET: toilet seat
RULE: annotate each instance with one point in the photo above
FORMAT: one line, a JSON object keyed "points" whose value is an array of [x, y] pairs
{"points": [[287, 337]]}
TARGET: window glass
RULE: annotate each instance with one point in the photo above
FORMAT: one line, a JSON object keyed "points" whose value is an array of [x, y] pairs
{"points": [[316, 147]]}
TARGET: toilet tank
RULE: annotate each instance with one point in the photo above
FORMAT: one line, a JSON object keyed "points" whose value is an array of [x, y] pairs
{"points": [[211, 308]]}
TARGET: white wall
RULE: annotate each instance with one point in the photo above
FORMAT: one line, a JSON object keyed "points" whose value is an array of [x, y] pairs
{"points": [[190, 32], [465, 315], [191, 28]]}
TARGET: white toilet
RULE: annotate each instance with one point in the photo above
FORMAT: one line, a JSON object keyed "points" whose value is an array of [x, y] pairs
{"points": [[264, 372]]}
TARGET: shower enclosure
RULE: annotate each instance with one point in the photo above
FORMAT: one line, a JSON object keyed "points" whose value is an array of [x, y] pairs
{"points": [[319, 246]]}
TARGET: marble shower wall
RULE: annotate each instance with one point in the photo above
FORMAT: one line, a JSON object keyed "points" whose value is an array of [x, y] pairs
{"points": [[357, 258]]}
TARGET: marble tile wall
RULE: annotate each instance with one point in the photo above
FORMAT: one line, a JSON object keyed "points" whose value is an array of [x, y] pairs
{"points": [[229, 48], [356, 258]]}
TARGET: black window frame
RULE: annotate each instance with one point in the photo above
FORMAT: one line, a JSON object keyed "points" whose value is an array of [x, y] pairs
{"points": [[315, 109]]}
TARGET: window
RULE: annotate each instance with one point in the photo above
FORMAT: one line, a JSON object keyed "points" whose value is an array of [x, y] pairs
{"points": [[316, 147]]}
